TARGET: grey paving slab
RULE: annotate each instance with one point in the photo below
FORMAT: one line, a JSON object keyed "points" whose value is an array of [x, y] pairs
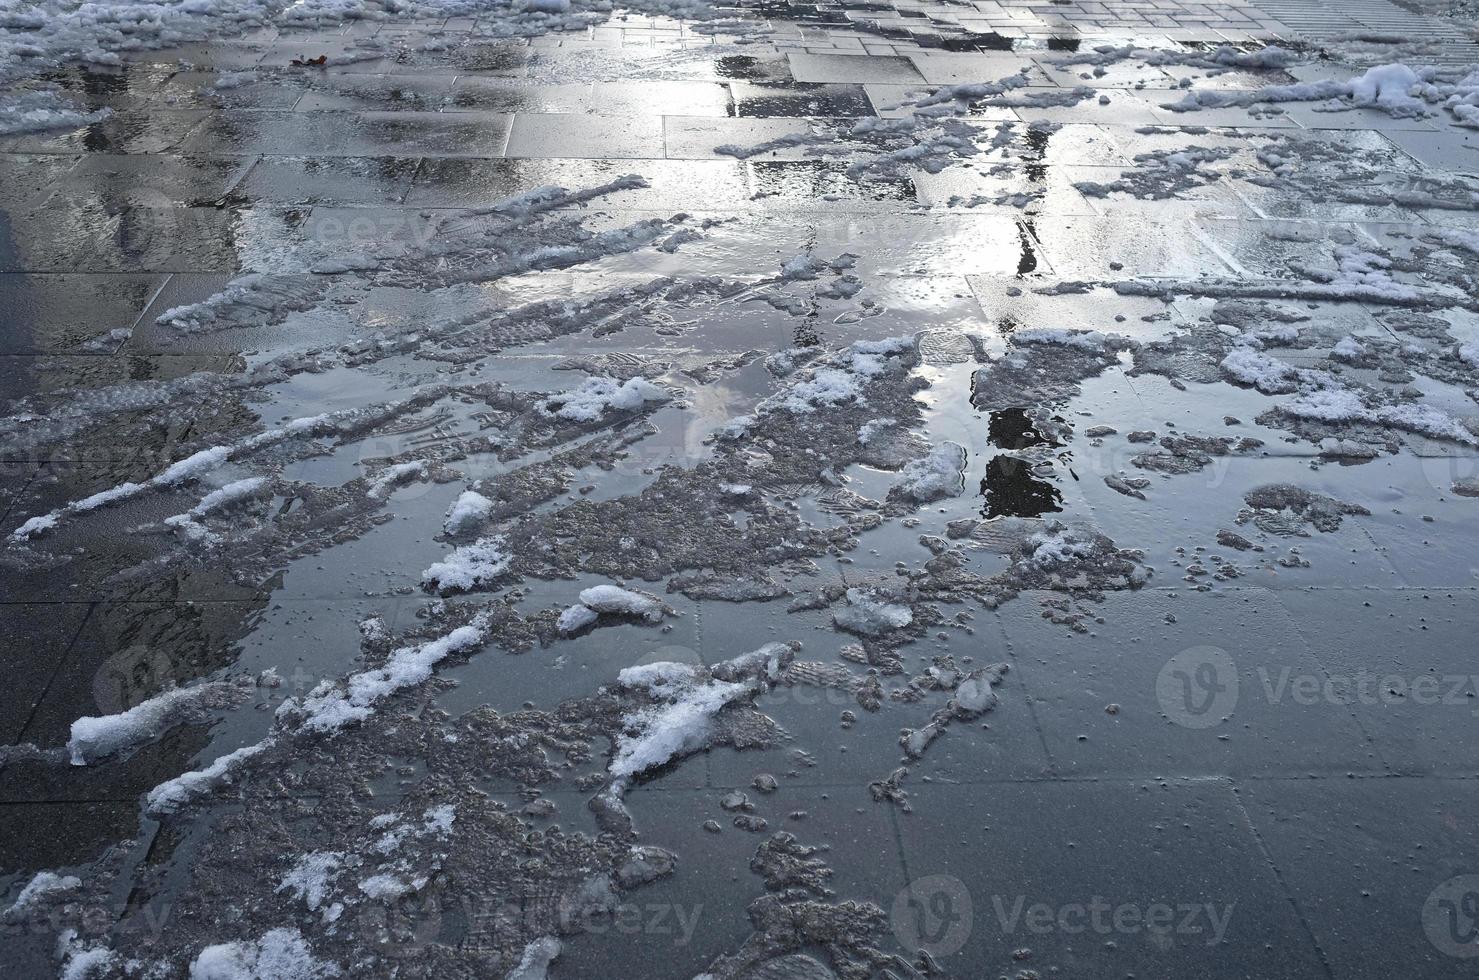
{"points": [[700, 137], [721, 868], [852, 68], [328, 180], [554, 135], [1452, 151], [768, 100], [485, 94], [127, 652], [255, 88], [947, 68], [71, 313], [1083, 248], [138, 180], [132, 131], [403, 92], [35, 653], [77, 832], [370, 133], [1379, 868], [1066, 889], [672, 184], [1197, 685], [1185, 751], [1399, 660], [29, 179], [94, 238]]}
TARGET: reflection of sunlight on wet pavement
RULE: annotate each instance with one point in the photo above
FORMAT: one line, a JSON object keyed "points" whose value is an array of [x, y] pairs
{"points": [[791, 492]]}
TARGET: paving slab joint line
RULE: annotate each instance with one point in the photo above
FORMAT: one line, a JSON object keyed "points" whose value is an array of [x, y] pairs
{"points": [[1279, 877]]}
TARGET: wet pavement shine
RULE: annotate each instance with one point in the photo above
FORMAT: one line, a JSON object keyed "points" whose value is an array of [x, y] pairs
{"points": [[776, 492]]}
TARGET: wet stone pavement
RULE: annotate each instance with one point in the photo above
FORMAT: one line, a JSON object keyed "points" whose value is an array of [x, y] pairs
{"points": [[796, 491]]}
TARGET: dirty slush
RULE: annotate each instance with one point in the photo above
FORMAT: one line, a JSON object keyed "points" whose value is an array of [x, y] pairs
{"points": [[535, 489]]}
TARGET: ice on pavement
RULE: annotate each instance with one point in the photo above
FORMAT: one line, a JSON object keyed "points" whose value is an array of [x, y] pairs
{"points": [[547, 462]]}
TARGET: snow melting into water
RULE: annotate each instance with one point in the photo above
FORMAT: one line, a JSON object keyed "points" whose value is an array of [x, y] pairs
{"points": [[280, 954], [191, 468], [1396, 89], [535, 963], [1344, 405], [311, 876], [396, 475], [329, 707], [42, 886], [226, 497], [591, 400], [175, 793], [250, 300], [840, 380], [610, 600], [96, 738], [469, 567], [1057, 545], [1089, 340], [1322, 397], [37, 111], [467, 512], [938, 475], [681, 722], [867, 615]]}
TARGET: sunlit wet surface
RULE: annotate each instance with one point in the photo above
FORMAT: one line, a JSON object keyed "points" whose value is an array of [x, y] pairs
{"points": [[1105, 474]]}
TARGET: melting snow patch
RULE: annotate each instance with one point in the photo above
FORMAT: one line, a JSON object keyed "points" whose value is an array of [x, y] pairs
{"points": [[657, 678], [576, 618], [252, 300], [190, 468], [385, 887], [80, 962], [867, 615], [1344, 405], [682, 721], [171, 795], [469, 567], [1269, 375], [40, 888], [328, 708], [31, 112], [217, 500], [938, 475], [1089, 340], [393, 476], [538, 955], [281, 954], [656, 735], [1058, 544], [826, 386], [311, 876], [467, 511], [95, 738], [610, 600], [868, 430], [591, 400], [613, 599]]}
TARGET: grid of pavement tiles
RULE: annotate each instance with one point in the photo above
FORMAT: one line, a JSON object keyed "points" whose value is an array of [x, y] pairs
{"points": [[1326, 827]]}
